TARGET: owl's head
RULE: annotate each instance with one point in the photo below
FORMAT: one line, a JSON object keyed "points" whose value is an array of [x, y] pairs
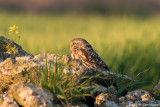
{"points": [[79, 43]]}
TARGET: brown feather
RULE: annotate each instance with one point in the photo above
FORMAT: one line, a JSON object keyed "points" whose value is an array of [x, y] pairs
{"points": [[82, 50]]}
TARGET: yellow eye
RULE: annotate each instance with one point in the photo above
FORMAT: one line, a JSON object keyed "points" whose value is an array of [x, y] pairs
{"points": [[74, 43]]}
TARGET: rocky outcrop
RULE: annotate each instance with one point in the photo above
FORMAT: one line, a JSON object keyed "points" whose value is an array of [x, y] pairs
{"points": [[13, 71], [16, 89]]}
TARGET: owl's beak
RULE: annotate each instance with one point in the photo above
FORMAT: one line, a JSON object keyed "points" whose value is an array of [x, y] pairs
{"points": [[74, 47]]}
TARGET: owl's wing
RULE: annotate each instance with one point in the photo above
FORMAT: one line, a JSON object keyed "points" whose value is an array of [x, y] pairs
{"points": [[93, 58]]}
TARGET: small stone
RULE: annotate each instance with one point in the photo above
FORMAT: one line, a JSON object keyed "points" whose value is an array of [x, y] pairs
{"points": [[100, 99], [146, 97], [121, 99], [98, 89], [130, 97]]}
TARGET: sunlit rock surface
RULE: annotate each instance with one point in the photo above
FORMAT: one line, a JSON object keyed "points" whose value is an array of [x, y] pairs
{"points": [[32, 96], [7, 101]]}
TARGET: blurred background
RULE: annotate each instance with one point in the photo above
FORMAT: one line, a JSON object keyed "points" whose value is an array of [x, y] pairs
{"points": [[125, 33]]}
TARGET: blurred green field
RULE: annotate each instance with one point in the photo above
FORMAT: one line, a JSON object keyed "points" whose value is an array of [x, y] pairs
{"points": [[127, 44]]}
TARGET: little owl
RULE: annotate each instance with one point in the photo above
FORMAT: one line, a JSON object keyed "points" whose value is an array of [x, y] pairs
{"points": [[82, 50]]}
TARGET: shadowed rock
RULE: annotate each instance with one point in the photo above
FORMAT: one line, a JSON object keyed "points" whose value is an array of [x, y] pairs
{"points": [[9, 48], [156, 91]]}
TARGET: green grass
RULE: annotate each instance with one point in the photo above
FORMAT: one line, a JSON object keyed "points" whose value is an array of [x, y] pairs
{"points": [[67, 88], [126, 43]]}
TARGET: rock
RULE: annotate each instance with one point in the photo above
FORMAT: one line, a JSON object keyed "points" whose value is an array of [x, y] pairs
{"points": [[102, 100], [13, 71], [23, 58], [4, 56], [109, 104], [12, 67], [74, 67], [146, 97], [9, 67], [51, 59], [107, 98], [17, 65], [156, 91], [138, 98], [8, 46], [138, 94], [110, 91], [122, 99], [130, 97], [98, 89], [20, 64], [7, 101], [30, 95]]}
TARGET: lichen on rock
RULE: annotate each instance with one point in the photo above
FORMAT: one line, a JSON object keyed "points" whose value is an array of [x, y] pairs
{"points": [[14, 70], [31, 95], [138, 98], [7, 101], [9, 46]]}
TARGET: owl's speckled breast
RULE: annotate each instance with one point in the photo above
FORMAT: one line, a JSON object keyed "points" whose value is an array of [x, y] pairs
{"points": [[74, 54]]}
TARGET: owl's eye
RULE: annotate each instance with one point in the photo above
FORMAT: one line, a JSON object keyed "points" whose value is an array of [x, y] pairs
{"points": [[74, 43]]}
